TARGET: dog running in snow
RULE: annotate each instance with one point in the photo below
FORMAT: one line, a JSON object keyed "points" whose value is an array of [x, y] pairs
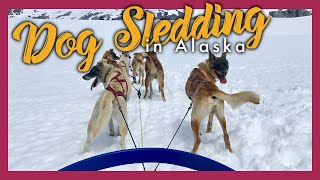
{"points": [[207, 99], [117, 93]]}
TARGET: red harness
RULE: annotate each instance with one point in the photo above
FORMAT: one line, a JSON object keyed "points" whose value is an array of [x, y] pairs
{"points": [[118, 93]]}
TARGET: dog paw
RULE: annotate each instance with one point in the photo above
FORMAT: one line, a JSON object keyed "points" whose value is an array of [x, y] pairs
{"points": [[230, 150], [112, 133], [85, 150]]}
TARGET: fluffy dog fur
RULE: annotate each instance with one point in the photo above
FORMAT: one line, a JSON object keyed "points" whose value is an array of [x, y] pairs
{"points": [[138, 66], [153, 70], [125, 59], [110, 54], [106, 106], [207, 99]]}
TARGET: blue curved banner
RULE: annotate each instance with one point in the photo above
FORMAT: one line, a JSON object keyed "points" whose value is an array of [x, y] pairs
{"points": [[147, 155]]}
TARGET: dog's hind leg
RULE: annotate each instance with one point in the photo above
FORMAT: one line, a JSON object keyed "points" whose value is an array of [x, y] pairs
{"points": [[151, 89], [123, 133], [160, 80], [209, 125], [111, 128], [122, 125], [146, 85], [199, 111], [142, 77], [219, 111], [195, 125]]}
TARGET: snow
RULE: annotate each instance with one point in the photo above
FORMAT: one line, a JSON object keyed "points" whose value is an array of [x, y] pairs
{"points": [[50, 105]]}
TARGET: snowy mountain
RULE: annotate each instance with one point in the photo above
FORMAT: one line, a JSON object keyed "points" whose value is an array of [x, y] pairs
{"points": [[290, 13], [86, 14], [96, 14]]}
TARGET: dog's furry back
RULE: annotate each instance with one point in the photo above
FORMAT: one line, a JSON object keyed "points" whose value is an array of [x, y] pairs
{"points": [[152, 63]]}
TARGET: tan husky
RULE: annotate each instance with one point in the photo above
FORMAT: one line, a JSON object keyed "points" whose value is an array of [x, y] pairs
{"points": [[117, 93], [110, 54], [138, 66], [153, 70], [125, 58], [207, 99]]}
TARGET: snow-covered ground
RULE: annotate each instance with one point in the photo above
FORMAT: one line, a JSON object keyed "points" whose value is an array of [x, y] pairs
{"points": [[50, 104]]}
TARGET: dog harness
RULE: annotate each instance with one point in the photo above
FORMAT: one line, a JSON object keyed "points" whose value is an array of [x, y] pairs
{"points": [[118, 93]]}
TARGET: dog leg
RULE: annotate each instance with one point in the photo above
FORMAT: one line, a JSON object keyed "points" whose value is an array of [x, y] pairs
{"points": [[200, 110], [220, 115], [111, 128], [209, 125], [151, 90], [122, 125], [195, 125], [123, 133], [142, 77], [161, 84], [146, 85]]}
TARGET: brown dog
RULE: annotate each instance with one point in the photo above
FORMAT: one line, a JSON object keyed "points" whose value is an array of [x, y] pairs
{"points": [[111, 54], [153, 70], [138, 66], [207, 99]]}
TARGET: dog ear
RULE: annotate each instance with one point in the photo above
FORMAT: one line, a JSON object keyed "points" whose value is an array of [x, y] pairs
{"points": [[224, 55], [111, 50], [211, 56]]}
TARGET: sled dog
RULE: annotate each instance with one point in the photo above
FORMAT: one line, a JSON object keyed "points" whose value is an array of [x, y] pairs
{"points": [[125, 58], [138, 68], [111, 54], [116, 94], [207, 99], [108, 57], [153, 70]]}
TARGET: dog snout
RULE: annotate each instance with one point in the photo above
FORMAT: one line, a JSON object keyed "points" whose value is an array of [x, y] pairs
{"points": [[86, 77], [225, 72]]}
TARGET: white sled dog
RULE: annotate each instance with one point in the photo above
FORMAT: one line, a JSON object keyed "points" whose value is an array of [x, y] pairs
{"points": [[125, 58], [116, 94]]}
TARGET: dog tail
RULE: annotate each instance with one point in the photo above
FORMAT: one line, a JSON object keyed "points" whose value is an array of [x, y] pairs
{"points": [[238, 99]]}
